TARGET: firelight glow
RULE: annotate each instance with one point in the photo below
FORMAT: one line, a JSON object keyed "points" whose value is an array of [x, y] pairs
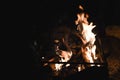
{"points": [[87, 37]]}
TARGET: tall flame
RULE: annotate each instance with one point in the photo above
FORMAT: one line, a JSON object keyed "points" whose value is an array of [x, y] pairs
{"points": [[87, 37]]}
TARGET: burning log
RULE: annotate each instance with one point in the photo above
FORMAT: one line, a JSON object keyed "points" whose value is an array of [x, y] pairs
{"points": [[88, 54], [64, 55]]}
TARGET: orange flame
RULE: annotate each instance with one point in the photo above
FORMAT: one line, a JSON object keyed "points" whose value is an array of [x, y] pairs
{"points": [[87, 37], [65, 57]]}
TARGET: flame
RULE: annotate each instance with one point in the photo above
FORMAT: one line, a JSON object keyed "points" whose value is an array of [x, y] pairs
{"points": [[87, 36], [65, 57], [80, 7], [88, 39]]}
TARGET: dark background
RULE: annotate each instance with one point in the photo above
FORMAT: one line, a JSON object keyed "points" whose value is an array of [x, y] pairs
{"points": [[104, 11], [42, 17], [47, 14]]}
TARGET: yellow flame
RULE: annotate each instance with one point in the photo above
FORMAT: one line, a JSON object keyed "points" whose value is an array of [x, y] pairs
{"points": [[65, 56], [87, 37]]}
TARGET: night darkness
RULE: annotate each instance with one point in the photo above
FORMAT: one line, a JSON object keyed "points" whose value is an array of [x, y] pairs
{"points": [[50, 11], [49, 15]]}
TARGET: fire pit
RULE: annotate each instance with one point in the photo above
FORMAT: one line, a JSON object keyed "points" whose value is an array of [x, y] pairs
{"points": [[87, 63]]}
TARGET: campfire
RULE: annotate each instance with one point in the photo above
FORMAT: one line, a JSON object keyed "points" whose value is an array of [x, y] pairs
{"points": [[88, 47], [89, 55]]}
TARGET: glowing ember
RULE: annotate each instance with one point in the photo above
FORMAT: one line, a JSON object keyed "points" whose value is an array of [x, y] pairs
{"points": [[87, 37], [79, 68], [65, 56]]}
